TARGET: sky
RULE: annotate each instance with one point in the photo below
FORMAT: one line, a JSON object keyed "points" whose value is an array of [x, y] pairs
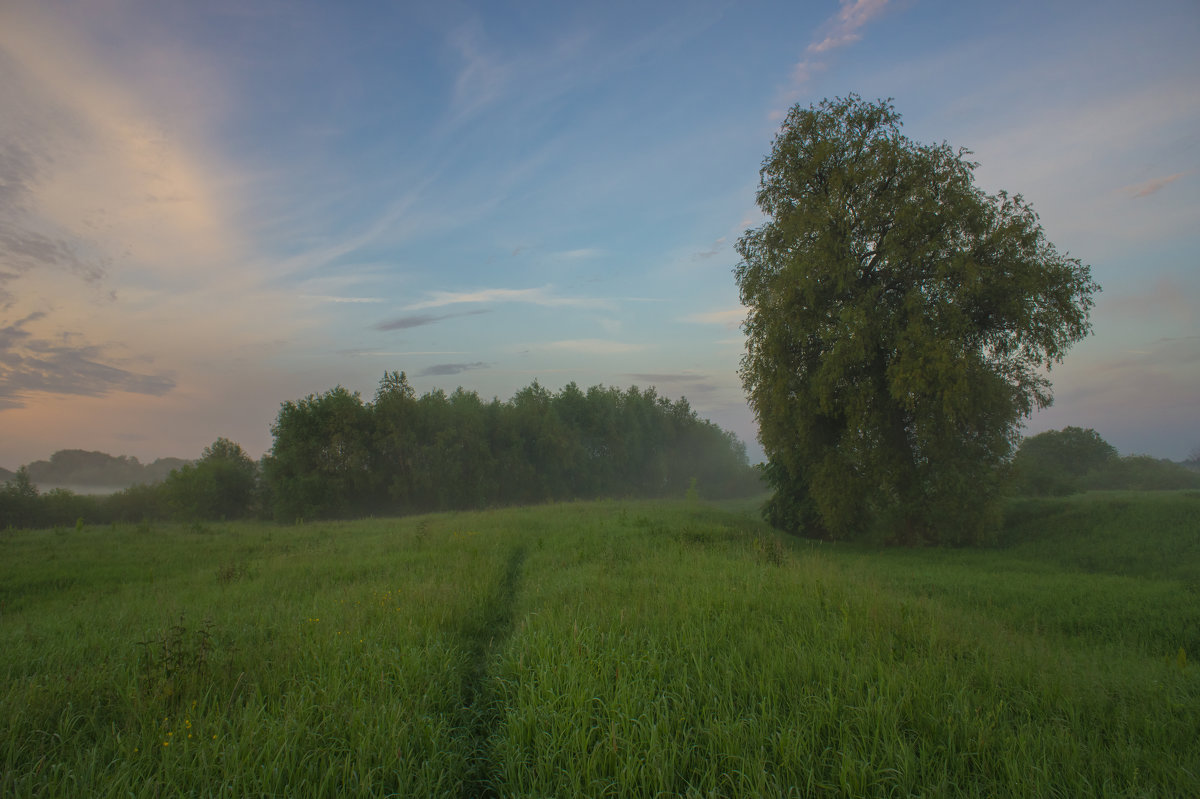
{"points": [[207, 209]]}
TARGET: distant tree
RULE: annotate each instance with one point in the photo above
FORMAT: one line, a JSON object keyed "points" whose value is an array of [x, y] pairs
{"points": [[19, 506], [394, 436], [1054, 463], [1192, 461], [22, 485], [320, 463], [220, 485], [139, 502], [899, 319], [160, 469], [83, 467]]}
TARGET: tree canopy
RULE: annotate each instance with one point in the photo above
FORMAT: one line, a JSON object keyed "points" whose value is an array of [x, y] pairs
{"points": [[221, 485], [1055, 462], [900, 322], [336, 455]]}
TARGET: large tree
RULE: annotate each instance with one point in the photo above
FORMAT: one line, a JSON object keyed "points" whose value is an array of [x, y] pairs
{"points": [[899, 323]]}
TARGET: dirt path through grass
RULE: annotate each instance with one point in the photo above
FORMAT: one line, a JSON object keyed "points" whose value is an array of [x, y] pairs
{"points": [[483, 634]]}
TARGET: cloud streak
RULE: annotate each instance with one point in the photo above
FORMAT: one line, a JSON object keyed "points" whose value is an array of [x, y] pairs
{"points": [[711, 252], [1149, 187], [31, 365], [341, 300], [730, 318], [593, 346], [536, 296], [420, 320], [444, 369], [693, 382]]}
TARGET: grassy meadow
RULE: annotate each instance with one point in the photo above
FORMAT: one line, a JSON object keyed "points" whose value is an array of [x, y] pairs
{"points": [[604, 649]]}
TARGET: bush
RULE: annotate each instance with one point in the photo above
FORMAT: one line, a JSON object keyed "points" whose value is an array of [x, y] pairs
{"points": [[1054, 463]]}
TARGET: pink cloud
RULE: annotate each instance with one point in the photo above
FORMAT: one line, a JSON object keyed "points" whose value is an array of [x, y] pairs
{"points": [[859, 12], [1151, 186], [838, 31], [833, 42]]}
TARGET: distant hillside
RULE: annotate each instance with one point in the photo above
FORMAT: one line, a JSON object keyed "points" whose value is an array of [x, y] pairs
{"points": [[5, 475], [77, 467]]}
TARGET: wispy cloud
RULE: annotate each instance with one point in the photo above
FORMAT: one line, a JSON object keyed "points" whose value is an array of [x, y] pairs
{"points": [[1155, 300], [442, 369], [30, 365], [668, 377], [1160, 378], [358, 353], [482, 77], [335, 299], [536, 296], [420, 320], [1050, 151], [94, 166], [839, 31], [593, 346], [694, 383], [119, 218], [586, 252], [711, 252], [730, 318], [1146, 188]]}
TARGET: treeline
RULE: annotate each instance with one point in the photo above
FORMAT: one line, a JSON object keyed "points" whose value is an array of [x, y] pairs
{"points": [[77, 467], [1073, 460], [336, 456], [223, 484]]}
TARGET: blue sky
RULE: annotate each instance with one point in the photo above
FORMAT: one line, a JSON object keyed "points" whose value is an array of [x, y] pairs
{"points": [[209, 208]]}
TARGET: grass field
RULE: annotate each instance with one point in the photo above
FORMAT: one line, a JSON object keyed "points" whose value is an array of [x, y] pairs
{"points": [[604, 649]]}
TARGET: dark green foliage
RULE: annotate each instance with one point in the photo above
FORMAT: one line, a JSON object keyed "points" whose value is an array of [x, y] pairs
{"points": [[321, 463], [19, 501], [1053, 463], [899, 319], [1140, 473], [335, 455], [219, 486], [1067, 461], [135, 504], [223, 484], [175, 665]]}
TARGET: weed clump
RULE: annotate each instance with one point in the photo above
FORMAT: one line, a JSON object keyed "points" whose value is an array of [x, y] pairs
{"points": [[176, 663]]}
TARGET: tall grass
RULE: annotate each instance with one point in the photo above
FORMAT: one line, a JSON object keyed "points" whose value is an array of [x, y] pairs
{"points": [[623, 649]]}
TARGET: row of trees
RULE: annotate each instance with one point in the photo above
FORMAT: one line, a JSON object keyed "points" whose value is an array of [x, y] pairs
{"points": [[1071, 460], [337, 455], [77, 467], [223, 484]]}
